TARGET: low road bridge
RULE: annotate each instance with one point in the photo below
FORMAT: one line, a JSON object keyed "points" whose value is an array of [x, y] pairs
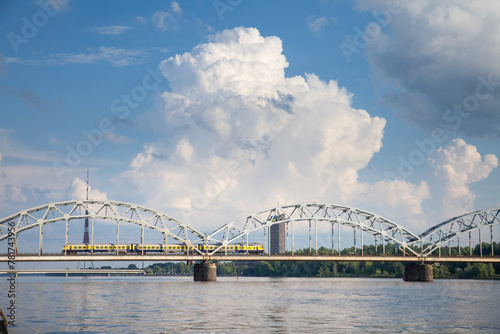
{"points": [[68, 272], [281, 225]]}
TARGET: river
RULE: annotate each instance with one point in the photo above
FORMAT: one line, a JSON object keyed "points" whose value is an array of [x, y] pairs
{"points": [[250, 304]]}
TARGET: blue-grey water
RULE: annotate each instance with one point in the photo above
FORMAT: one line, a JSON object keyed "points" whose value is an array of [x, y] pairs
{"points": [[249, 305]]}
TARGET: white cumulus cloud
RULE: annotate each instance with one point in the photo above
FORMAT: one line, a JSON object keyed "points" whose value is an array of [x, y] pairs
{"points": [[237, 135], [78, 190], [458, 166]]}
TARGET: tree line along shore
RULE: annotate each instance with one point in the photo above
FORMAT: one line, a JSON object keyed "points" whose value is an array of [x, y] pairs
{"points": [[343, 269]]}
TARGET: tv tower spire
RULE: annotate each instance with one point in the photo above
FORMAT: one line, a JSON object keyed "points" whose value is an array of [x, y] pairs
{"points": [[86, 230], [87, 183]]}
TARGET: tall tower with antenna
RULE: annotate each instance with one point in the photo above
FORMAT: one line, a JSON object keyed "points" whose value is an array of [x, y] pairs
{"points": [[86, 230]]}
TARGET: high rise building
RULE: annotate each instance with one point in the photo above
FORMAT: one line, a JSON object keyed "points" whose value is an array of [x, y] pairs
{"points": [[86, 230], [278, 238]]}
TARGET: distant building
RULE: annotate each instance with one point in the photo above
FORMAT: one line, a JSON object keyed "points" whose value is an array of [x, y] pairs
{"points": [[278, 235]]}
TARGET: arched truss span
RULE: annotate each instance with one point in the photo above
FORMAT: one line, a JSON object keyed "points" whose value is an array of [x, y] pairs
{"points": [[102, 210], [435, 237], [381, 228]]}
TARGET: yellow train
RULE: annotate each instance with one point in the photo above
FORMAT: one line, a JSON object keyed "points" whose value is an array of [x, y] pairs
{"points": [[253, 248]]}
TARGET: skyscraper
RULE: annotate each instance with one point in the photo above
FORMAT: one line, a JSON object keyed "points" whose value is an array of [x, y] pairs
{"points": [[86, 230], [278, 241]]}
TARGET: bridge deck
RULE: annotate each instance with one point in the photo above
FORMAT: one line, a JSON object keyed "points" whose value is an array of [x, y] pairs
{"points": [[163, 257]]}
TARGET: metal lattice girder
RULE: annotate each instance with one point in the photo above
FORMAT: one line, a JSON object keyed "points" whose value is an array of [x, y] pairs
{"points": [[435, 237], [314, 212], [99, 209]]}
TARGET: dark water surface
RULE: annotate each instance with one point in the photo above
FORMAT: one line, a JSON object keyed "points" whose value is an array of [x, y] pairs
{"points": [[248, 305]]}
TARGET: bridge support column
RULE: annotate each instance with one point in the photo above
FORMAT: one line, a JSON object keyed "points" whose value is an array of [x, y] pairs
{"points": [[418, 273], [205, 272]]}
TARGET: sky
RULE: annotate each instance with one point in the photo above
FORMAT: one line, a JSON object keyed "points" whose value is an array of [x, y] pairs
{"points": [[211, 110]]}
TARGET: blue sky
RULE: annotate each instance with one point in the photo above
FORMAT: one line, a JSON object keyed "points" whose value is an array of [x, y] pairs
{"points": [[211, 110]]}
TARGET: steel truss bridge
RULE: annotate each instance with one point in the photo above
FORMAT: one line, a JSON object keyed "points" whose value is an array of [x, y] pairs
{"points": [[312, 218]]}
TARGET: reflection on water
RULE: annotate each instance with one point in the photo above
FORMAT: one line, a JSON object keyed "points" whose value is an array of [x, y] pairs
{"points": [[177, 304]]}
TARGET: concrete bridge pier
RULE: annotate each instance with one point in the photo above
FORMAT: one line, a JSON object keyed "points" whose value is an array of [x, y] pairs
{"points": [[205, 272], [418, 273]]}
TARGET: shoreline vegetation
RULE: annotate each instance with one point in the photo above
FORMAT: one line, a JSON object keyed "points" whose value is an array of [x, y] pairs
{"points": [[341, 269]]}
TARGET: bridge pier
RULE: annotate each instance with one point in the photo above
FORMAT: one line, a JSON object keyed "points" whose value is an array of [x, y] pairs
{"points": [[205, 272], [418, 273]]}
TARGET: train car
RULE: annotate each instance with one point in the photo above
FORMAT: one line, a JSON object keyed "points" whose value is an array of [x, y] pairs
{"points": [[176, 248], [232, 248], [159, 248], [95, 248], [76, 248], [147, 248], [101, 248], [254, 248]]}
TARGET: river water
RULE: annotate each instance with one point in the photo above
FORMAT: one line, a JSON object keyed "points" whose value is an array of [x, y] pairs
{"points": [[249, 305]]}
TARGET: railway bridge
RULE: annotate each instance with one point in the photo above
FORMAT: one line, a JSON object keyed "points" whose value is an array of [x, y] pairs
{"points": [[160, 237]]}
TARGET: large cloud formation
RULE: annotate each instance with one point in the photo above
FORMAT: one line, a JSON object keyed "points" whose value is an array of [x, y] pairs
{"points": [[238, 135], [440, 59], [457, 166], [78, 190]]}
